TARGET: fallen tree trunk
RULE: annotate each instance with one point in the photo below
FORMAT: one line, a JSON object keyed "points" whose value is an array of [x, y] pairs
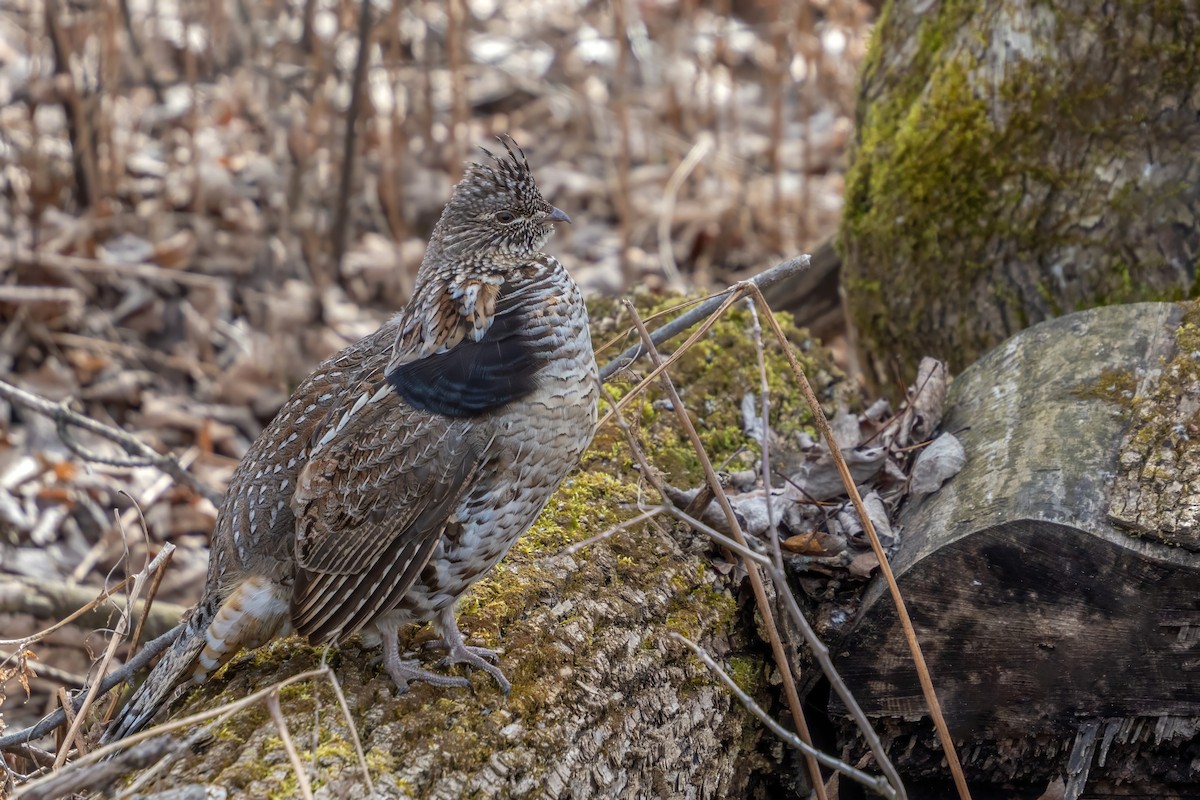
{"points": [[602, 704], [1056, 597]]}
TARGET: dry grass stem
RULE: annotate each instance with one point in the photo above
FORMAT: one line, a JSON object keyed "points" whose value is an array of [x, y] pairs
{"points": [[286, 737], [819, 650], [123, 624], [910, 635], [764, 389], [353, 729], [55, 719], [756, 583], [877, 784], [706, 310], [189, 721], [42, 634], [666, 252]]}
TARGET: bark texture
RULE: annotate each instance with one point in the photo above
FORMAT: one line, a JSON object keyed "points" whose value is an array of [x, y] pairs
{"points": [[1015, 161], [602, 704], [1049, 629]]}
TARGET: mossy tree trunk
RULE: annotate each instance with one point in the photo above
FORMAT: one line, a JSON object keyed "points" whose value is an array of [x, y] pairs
{"points": [[1014, 161]]}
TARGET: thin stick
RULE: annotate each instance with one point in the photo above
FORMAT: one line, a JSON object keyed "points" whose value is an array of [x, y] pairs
{"points": [[62, 623], [136, 448], [118, 636], [819, 650], [876, 783], [615, 529], [186, 722], [760, 595], [763, 280], [660, 369], [910, 634], [53, 720], [349, 149], [358, 750], [286, 737], [764, 388], [666, 254]]}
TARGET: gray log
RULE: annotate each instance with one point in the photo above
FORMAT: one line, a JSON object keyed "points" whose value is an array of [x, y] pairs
{"points": [[1039, 615]]}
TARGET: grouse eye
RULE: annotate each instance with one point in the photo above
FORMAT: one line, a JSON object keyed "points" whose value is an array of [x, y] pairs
{"points": [[505, 217]]}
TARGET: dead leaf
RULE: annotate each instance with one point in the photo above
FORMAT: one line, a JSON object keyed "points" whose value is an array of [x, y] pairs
{"points": [[926, 403], [864, 564], [937, 463], [814, 543]]}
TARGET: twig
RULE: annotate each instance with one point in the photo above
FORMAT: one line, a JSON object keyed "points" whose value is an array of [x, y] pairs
{"points": [[49, 671], [878, 784], [763, 280], [286, 737], [342, 218], [910, 634], [136, 638], [52, 721], [192, 719], [358, 751], [620, 526], [66, 782], [118, 636], [661, 368], [760, 595], [71, 604], [42, 634], [64, 416], [666, 254], [776, 551], [55, 261], [819, 650]]}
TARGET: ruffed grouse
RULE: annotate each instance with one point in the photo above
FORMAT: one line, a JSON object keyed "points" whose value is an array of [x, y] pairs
{"points": [[408, 464]]}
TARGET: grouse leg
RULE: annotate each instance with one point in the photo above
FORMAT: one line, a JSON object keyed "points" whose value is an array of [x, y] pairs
{"points": [[402, 671], [459, 652]]}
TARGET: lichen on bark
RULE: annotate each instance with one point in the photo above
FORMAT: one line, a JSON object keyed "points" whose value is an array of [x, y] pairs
{"points": [[1015, 161]]}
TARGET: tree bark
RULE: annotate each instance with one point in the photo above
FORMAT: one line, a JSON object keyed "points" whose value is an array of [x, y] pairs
{"points": [[602, 704], [1015, 161], [1050, 626]]}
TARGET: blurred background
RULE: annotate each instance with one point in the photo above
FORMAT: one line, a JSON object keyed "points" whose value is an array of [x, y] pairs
{"points": [[200, 200]]}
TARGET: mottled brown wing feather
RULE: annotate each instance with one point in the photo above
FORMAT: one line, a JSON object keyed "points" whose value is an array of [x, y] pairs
{"points": [[370, 507]]}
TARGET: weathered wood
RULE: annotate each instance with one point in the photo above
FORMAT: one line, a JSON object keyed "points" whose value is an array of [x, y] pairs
{"points": [[1037, 614]]}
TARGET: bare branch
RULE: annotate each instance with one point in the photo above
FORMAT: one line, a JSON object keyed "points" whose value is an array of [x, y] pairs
{"points": [[763, 280], [145, 454], [878, 784]]}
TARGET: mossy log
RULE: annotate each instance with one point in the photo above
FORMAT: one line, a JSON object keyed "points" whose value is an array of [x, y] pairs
{"points": [[602, 705], [1015, 161], [1052, 625]]}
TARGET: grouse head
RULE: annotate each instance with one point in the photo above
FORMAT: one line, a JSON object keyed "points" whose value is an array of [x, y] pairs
{"points": [[496, 212]]}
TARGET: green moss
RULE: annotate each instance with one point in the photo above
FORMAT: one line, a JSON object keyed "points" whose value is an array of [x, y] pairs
{"points": [[951, 185], [1113, 386], [1162, 447], [712, 377], [746, 673]]}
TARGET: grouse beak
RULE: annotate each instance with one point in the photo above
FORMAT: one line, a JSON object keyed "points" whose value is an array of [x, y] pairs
{"points": [[557, 215]]}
